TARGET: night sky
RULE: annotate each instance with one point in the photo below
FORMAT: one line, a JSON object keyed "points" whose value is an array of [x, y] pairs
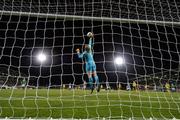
{"points": [[147, 49]]}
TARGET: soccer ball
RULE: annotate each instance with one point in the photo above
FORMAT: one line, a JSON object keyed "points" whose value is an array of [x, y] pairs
{"points": [[90, 34]]}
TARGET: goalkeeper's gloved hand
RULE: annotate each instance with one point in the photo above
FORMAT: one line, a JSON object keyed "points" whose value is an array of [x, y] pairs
{"points": [[90, 34], [77, 50]]}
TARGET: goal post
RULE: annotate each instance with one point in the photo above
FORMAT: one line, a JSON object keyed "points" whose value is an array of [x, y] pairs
{"points": [[75, 17]]}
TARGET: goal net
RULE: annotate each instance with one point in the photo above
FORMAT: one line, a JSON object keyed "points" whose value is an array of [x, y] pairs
{"points": [[135, 48]]}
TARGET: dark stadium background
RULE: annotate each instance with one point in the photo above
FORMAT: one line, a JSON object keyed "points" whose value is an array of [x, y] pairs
{"points": [[147, 48]]}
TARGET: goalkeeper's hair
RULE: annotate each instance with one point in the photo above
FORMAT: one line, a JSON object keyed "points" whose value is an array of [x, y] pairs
{"points": [[87, 48]]}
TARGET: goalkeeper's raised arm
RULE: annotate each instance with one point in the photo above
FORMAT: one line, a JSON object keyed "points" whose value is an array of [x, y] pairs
{"points": [[90, 65], [91, 40]]}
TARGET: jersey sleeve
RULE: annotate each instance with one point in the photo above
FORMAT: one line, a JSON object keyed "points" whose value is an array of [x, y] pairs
{"points": [[90, 45], [80, 55]]}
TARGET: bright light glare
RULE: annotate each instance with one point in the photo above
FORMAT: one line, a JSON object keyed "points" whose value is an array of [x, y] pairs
{"points": [[41, 57], [119, 61]]}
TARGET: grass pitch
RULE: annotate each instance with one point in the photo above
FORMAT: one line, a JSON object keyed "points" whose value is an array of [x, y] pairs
{"points": [[58, 103]]}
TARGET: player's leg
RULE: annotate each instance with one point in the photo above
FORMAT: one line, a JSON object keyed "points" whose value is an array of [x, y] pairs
{"points": [[96, 77], [96, 81], [89, 73], [90, 81]]}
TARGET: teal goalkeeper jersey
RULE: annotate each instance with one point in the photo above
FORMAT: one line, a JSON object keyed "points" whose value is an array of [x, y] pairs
{"points": [[87, 55]]}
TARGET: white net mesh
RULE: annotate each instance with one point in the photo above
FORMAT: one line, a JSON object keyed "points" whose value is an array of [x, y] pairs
{"points": [[136, 52]]}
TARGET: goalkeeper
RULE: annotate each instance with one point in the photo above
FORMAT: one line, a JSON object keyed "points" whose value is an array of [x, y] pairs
{"points": [[90, 65]]}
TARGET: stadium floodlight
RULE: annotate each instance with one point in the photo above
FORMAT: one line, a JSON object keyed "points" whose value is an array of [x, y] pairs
{"points": [[119, 61], [41, 57]]}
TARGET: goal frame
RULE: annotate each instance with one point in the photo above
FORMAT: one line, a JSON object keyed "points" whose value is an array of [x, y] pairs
{"points": [[75, 17]]}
